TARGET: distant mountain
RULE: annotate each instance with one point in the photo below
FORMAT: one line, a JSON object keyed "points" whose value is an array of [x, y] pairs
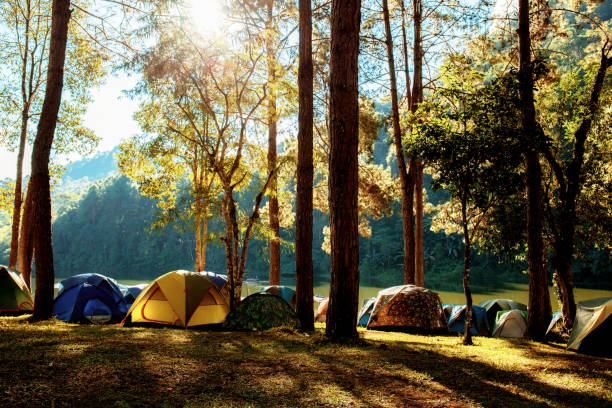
{"points": [[81, 174]]}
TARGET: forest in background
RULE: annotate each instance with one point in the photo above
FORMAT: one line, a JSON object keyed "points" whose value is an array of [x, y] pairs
{"points": [[103, 224]]}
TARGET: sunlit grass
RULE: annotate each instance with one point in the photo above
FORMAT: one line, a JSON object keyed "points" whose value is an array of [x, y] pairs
{"points": [[64, 365]]}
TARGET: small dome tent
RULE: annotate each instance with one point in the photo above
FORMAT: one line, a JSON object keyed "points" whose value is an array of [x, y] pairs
{"points": [[15, 297], [287, 294], [556, 330], [179, 298], [510, 323], [366, 310], [89, 297], [130, 293], [321, 314], [261, 311], [408, 308], [592, 329], [456, 320], [493, 306]]}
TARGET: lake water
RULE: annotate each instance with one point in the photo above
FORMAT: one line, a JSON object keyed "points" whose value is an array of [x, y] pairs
{"points": [[517, 292]]}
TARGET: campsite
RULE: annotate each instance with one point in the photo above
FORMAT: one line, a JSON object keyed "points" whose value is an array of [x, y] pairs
{"points": [[311, 203]]}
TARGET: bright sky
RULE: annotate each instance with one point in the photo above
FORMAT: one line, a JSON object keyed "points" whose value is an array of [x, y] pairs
{"points": [[110, 116]]}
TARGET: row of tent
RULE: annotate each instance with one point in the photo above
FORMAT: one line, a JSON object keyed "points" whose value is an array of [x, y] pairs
{"points": [[177, 299], [201, 299], [414, 309]]}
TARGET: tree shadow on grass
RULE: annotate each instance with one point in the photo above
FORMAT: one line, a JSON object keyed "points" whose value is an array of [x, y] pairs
{"points": [[77, 366], [70, 365], [463, 379]]}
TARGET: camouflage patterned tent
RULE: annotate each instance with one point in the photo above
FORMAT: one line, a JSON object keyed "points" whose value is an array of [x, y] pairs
{"points": [[261, 311], [408, 308], [286, 293]]}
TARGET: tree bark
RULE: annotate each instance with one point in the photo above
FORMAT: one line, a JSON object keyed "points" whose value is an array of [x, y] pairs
{"points": [[343, 170], [409, 248], [539, 297], [467, 261], [18, 191], [406, 183], [420, 251], [305, 174], [417, 98], [272, 132], [40, 188], [26, 241]]}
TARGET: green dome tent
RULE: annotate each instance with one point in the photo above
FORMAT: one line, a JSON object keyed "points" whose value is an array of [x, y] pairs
{"points": [[261, 311], [592, 327], [15, 297]]}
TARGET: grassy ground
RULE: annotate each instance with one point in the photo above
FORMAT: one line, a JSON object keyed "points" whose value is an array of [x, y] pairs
{"points": [[52, 364]]}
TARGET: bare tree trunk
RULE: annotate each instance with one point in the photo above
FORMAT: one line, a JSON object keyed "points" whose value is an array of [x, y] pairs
{"points": [[18, 191], [406, 184], [305, 174], [26, 242], [198, 233], [40, 188], [420, 254], [272, 131], [417, 98], [343, 169], [204, 238], [407, 213], [25, 115], [539, 297], [467, 261]]}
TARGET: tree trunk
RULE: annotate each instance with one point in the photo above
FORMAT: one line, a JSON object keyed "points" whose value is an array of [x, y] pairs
{"points": [[406, 184], [204, 238], [18, 200], [305, 172], [272, 120], [18, 190], [198, 218], [25, 115], [407, 214], [420, 254], [343, 170], [539, 297], [467, 260], [26, 241], [40, 188], [417, 98]]}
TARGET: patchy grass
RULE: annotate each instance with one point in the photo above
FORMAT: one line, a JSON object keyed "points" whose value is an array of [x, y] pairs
{"points": [[52, 364]]}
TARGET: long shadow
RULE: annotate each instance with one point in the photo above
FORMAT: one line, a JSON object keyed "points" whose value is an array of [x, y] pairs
{"points": [[471, 380], [74, 366]]}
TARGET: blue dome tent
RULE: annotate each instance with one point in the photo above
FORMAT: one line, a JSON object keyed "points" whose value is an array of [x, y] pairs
{"points": [[89, 297], [480, 324]]}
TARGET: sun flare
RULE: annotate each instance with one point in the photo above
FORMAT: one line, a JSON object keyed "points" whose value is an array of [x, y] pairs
{"points": [[207, 16]]}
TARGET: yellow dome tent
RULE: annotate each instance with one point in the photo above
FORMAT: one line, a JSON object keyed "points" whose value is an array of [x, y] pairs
{"points": [[180, 298]]}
